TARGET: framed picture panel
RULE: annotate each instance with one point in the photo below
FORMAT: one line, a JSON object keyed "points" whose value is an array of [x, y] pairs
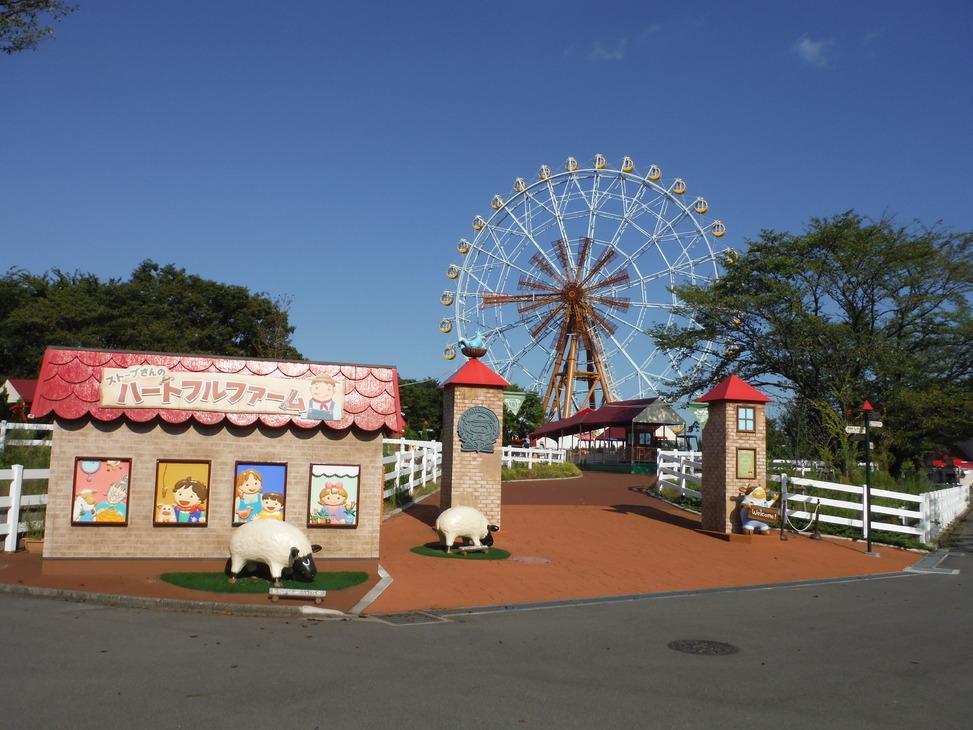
{"points": [[333, 495], [181, 493], [100, 492], [260, 491]]}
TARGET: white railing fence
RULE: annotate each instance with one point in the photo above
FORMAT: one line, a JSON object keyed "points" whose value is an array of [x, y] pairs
{"points": [[532, 455], [923, 516], [675, 469], [414, 463], [6, 428], [10, 524]]}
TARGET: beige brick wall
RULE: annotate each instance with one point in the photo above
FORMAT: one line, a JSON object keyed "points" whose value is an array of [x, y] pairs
{"points": [[720, 485], [223, 446], [471, 478]]}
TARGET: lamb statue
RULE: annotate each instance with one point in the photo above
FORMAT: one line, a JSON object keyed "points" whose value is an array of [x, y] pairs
{"points": [[466, 523], [277, 544]]}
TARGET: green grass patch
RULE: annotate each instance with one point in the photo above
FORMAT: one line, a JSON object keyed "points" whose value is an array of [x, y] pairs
{"points": [[435, 550], [220, 582], [520, 471]]}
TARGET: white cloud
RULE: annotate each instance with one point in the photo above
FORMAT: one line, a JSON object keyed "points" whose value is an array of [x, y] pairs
{"points": [[616, 52], [814, 53]]}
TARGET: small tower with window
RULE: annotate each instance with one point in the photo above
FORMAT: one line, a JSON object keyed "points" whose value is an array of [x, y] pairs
{"points": [[734, 447]]}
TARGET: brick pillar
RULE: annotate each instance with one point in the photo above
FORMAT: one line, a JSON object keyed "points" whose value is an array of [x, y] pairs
{"points": [[472, 478], [734, 449]]}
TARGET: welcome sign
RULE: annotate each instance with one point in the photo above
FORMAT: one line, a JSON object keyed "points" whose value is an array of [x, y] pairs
{"points": [[154, 386]]}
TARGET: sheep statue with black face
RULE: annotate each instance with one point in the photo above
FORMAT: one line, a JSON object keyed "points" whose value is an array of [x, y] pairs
{"points": [[279, 545], [464, 522]]}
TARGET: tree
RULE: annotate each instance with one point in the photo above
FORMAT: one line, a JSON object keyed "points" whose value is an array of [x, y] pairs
{"points": [[160, 308], [21, 27], [529, 418], [851, 310], [422, 406]]}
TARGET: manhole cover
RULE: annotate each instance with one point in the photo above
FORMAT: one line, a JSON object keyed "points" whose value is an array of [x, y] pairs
{"points": [[701, 646]]}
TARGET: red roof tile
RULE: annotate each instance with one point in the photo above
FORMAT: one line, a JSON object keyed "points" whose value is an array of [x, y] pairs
{"points": [[70, 382], [733, 388], [475, 372]]}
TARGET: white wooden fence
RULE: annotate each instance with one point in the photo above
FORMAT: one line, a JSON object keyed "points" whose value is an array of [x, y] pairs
{"points": [[923, 516], [6, 428], [10, 524], [414, 463], [531, 456]]}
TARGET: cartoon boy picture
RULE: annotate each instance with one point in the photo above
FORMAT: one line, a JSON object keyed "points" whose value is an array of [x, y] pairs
{"points": [[335, 508], [249, 485], [190, 494], [113, 507], [273, 507], [322, 404]]}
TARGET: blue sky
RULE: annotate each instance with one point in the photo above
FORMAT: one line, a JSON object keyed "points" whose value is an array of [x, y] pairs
{"points": [[335, 152]]}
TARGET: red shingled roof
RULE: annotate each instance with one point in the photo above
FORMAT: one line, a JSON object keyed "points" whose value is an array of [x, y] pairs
{"points": [[70, 379], [734, 389], [475, 372]]}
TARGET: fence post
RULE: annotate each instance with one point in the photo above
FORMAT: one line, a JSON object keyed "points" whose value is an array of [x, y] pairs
{"points": [[3, 434], [13, 514]]}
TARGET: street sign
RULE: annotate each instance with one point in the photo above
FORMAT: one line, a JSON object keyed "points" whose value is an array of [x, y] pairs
{"points": [[875, 424], [854, 429]]}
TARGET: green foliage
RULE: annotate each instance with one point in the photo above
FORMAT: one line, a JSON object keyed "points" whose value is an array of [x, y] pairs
{"points": [[851, 310], [521, 471], [21, 26], [159, 309], [529, 418], [422, 406]]}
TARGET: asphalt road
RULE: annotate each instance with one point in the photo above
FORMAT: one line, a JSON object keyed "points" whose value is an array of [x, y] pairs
{"points": [[884, 652]]}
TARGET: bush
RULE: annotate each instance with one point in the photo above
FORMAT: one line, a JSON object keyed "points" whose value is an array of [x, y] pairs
{"points": [[539, 471]]}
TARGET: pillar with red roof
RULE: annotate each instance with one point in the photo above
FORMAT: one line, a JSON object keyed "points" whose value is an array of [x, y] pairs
{"points": [[472, 439], [734, 447]]}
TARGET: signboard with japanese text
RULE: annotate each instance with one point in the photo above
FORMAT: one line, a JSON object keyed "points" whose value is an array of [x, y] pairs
{"points": [[153, 386]]}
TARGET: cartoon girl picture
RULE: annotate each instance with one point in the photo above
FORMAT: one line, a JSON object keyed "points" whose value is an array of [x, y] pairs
{"points": [[335, 489], [261, 487], [249, 485]]}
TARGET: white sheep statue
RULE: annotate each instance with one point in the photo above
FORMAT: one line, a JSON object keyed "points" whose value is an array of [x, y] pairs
{"points": [[466, 523], [279, 545]]}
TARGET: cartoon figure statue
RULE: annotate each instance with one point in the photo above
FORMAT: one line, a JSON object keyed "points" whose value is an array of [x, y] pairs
{"points": [[84, 506], [249, 485], [322, 404], [757, 497], [335, 507], [273, 507], [190, 494], [113, 508]]}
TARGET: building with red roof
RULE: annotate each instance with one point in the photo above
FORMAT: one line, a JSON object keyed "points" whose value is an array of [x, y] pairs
{"points": [[139, 420]]}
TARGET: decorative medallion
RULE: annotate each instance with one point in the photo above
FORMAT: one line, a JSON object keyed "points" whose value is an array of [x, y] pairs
{"points": [[478, 429]]}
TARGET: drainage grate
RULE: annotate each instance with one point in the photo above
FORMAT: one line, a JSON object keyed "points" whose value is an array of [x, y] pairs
{"points": [[410, 619], [702, 646]]}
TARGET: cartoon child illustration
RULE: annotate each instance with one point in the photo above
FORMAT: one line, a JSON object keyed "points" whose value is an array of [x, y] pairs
{"points": [[249, 485], [84, 506], [189, 495], [113, 508], [322, 404], [273, 507], [335, 507], [757, 497]]}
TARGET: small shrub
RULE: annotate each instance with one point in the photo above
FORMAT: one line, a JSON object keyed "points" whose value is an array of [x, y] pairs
{"points": [[519, 472]]}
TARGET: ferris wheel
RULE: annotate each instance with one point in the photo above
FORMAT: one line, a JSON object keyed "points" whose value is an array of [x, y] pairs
{"points": [[567, 274]]}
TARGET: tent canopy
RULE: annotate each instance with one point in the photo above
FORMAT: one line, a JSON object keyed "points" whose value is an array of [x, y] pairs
{"points": [[647, 411]]}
